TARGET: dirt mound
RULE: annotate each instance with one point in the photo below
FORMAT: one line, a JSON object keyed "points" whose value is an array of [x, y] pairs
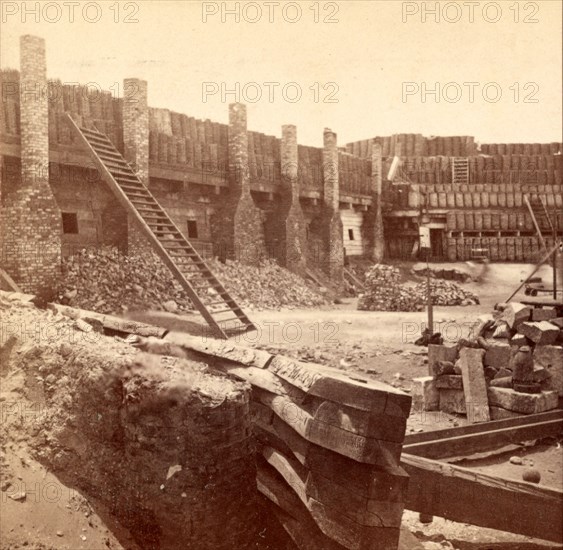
{"points": [[386, 292]]}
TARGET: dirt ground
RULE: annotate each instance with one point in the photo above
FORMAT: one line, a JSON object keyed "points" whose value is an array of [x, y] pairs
{"points": [[369, 344]]}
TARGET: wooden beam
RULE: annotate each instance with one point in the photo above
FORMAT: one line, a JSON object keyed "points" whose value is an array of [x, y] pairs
{"points": [[468, 444], [481, 428], [9, 281], [464, 495]]}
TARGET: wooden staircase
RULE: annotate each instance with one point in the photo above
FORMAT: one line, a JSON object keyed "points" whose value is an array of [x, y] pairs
{"points": [[540, 217], [460, 170], [209, 296]]}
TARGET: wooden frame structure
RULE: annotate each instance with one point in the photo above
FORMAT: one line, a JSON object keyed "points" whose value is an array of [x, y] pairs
{"points": [[465, 495]]}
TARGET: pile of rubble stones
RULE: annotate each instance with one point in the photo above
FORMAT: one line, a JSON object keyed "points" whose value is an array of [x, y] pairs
{"points": [[386, 292], [106, 281], [514, 359]]}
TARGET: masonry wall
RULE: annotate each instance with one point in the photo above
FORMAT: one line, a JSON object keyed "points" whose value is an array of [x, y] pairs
{"points": [[31, 220]]}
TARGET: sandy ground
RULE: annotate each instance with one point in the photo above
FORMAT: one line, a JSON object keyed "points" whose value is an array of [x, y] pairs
{"points": [[370, 344]]}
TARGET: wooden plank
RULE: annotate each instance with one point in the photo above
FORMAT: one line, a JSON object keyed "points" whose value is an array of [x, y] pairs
{"points": [[111, 322], [355, 392], [221, 348], [359, 448], [485, 441], [292, 513], [435, 435], [363, 479], [9, 281], [464, 495]]}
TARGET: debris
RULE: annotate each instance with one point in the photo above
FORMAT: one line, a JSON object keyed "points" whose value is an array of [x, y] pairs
{"points": [[542, 332], [384, 292], [107, 281], [515, 460]]}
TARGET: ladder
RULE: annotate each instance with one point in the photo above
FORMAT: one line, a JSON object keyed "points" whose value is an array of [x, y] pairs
{"points": [[540, 217], [460, 170], [205, 291]]}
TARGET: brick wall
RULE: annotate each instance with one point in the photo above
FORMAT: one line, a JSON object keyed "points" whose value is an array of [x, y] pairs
{"points": [[136, 150], [373, 219], [331, 223], [31, 219], [239, 225], [286, 221]]}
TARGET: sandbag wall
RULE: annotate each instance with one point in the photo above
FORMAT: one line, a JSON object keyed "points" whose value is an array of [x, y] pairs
{"points": [[416, 145], [180, 141], [88, 104], [354, 174], [542, 169]]}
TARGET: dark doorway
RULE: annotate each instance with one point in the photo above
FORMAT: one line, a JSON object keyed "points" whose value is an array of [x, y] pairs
{"points": [[437, 244]]}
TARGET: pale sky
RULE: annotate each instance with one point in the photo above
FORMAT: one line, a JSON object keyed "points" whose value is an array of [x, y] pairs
{"points": [[371, 52]]}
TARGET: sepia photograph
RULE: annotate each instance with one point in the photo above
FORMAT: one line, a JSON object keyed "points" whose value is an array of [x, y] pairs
{"points": [[281, 275]]}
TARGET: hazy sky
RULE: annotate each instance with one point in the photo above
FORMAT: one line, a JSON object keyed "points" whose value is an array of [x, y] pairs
{"points": [[361, 54]]}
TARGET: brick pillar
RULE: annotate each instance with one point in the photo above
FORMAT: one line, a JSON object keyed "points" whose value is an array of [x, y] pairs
{"points": [[378, 248], [136, 149], [136, 126], [239, 224], [31, 232], [332, 224], [290, 230]]}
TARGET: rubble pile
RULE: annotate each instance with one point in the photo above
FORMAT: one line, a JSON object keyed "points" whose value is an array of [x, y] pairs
{"points": [[446, 293], [511, 364], [386, 292], [107, 281], [441, 273], [267, 286]]}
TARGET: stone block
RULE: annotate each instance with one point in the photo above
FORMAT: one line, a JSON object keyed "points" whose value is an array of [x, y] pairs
{"points": [[551, 359], [543, 314], [516, 313], [452, 401], [558, 322], [519, 340], [425, 396], [503, 373], [450, 381], [504, 382], [502, 330], [542, 333], [436, 353], [523, 403], [474, 384], [497, 355]]}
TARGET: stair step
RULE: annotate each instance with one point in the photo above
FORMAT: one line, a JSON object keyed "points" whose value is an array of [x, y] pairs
{"points": [[126, 187], [138, 201], [191, 270]]}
